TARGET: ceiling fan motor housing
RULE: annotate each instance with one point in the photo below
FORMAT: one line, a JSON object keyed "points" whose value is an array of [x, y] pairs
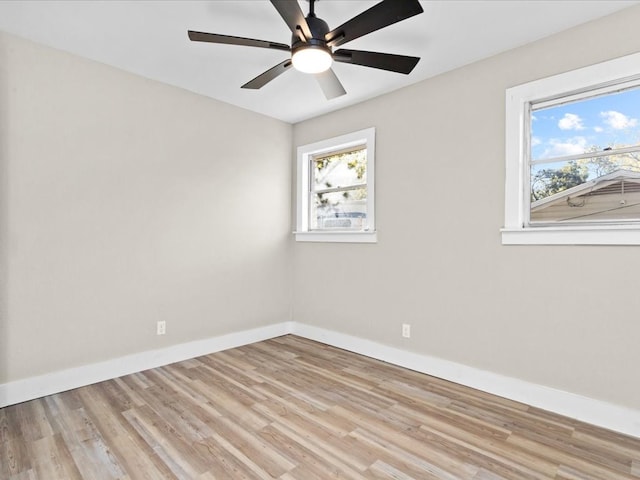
{"points": [[319, 29]]}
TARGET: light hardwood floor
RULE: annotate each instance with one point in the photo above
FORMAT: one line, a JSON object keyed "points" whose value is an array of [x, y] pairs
{"points": [[289, 408]]}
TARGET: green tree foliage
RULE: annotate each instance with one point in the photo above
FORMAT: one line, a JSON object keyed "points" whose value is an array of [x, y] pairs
{"points": [[354, 160], [553, 180]]}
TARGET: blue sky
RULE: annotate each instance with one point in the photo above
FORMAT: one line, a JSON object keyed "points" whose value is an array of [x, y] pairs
{"points": [[607, 121]]}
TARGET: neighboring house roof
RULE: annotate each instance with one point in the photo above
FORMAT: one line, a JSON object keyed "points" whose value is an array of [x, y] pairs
{"points": [[612, 196], [592, 186]]}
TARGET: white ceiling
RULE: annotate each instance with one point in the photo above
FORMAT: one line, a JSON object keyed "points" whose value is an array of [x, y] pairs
{"points": [[149, 38]]}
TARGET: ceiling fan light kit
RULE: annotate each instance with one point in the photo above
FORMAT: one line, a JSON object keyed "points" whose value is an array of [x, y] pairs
{"points": [[311, 59], [312, 43]]}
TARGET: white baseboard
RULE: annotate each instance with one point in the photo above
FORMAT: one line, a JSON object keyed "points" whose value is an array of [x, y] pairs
{"points": [[48, 384], [596, 412]]}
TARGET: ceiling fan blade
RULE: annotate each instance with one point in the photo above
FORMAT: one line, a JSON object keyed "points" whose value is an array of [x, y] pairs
{"points": [[383, 61], [264, 78], [228, 39], [379, 16], [291, 13], [330, 84]]}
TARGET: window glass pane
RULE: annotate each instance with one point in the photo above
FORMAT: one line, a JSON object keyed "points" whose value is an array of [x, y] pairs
{"points": [[589, 125], [597, 189], [343, 210], [339, 170]]}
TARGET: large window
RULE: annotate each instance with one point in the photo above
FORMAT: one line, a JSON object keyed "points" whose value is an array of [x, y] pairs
{"points": [[336, 189], [573, 157]]}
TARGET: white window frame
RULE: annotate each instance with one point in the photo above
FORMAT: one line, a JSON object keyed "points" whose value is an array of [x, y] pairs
{"points": [[518, 102], [305, 154]]}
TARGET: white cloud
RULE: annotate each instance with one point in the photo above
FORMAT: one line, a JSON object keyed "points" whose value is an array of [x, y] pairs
{"points": [[535, 141], [617, 120], [598, 129], [570, 121], [561, 148]]}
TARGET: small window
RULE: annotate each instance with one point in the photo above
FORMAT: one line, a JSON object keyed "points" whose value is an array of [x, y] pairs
{"points": [[336, 189], [573, 157]]}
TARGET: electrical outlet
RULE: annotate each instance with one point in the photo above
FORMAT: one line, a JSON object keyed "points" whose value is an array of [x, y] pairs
{"points": [[161, 327], [406, 330]]}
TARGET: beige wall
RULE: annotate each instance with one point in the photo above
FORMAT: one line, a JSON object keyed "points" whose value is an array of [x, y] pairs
{"points": [[565, 317], [125, 201]]}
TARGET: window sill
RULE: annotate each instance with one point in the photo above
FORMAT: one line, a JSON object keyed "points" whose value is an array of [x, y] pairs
{"points": [[602, 235], [337, 237]]}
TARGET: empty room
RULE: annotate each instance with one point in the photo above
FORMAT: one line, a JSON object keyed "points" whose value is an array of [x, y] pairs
{"points": [[319, 239]]}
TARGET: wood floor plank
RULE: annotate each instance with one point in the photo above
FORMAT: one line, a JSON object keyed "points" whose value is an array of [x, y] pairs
{"points": [[224, 464], [132, 451], [568, 461], [183, 460], [293, 409], [26, 475], [383, 470], [14, 449], [412, 460], [52, 459]]}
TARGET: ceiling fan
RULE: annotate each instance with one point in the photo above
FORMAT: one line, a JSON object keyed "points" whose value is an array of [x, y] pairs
{"points": [[312, 43]]}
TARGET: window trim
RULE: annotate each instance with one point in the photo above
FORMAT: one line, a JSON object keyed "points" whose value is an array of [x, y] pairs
{"points": [[518, 104], [304, 154]]}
